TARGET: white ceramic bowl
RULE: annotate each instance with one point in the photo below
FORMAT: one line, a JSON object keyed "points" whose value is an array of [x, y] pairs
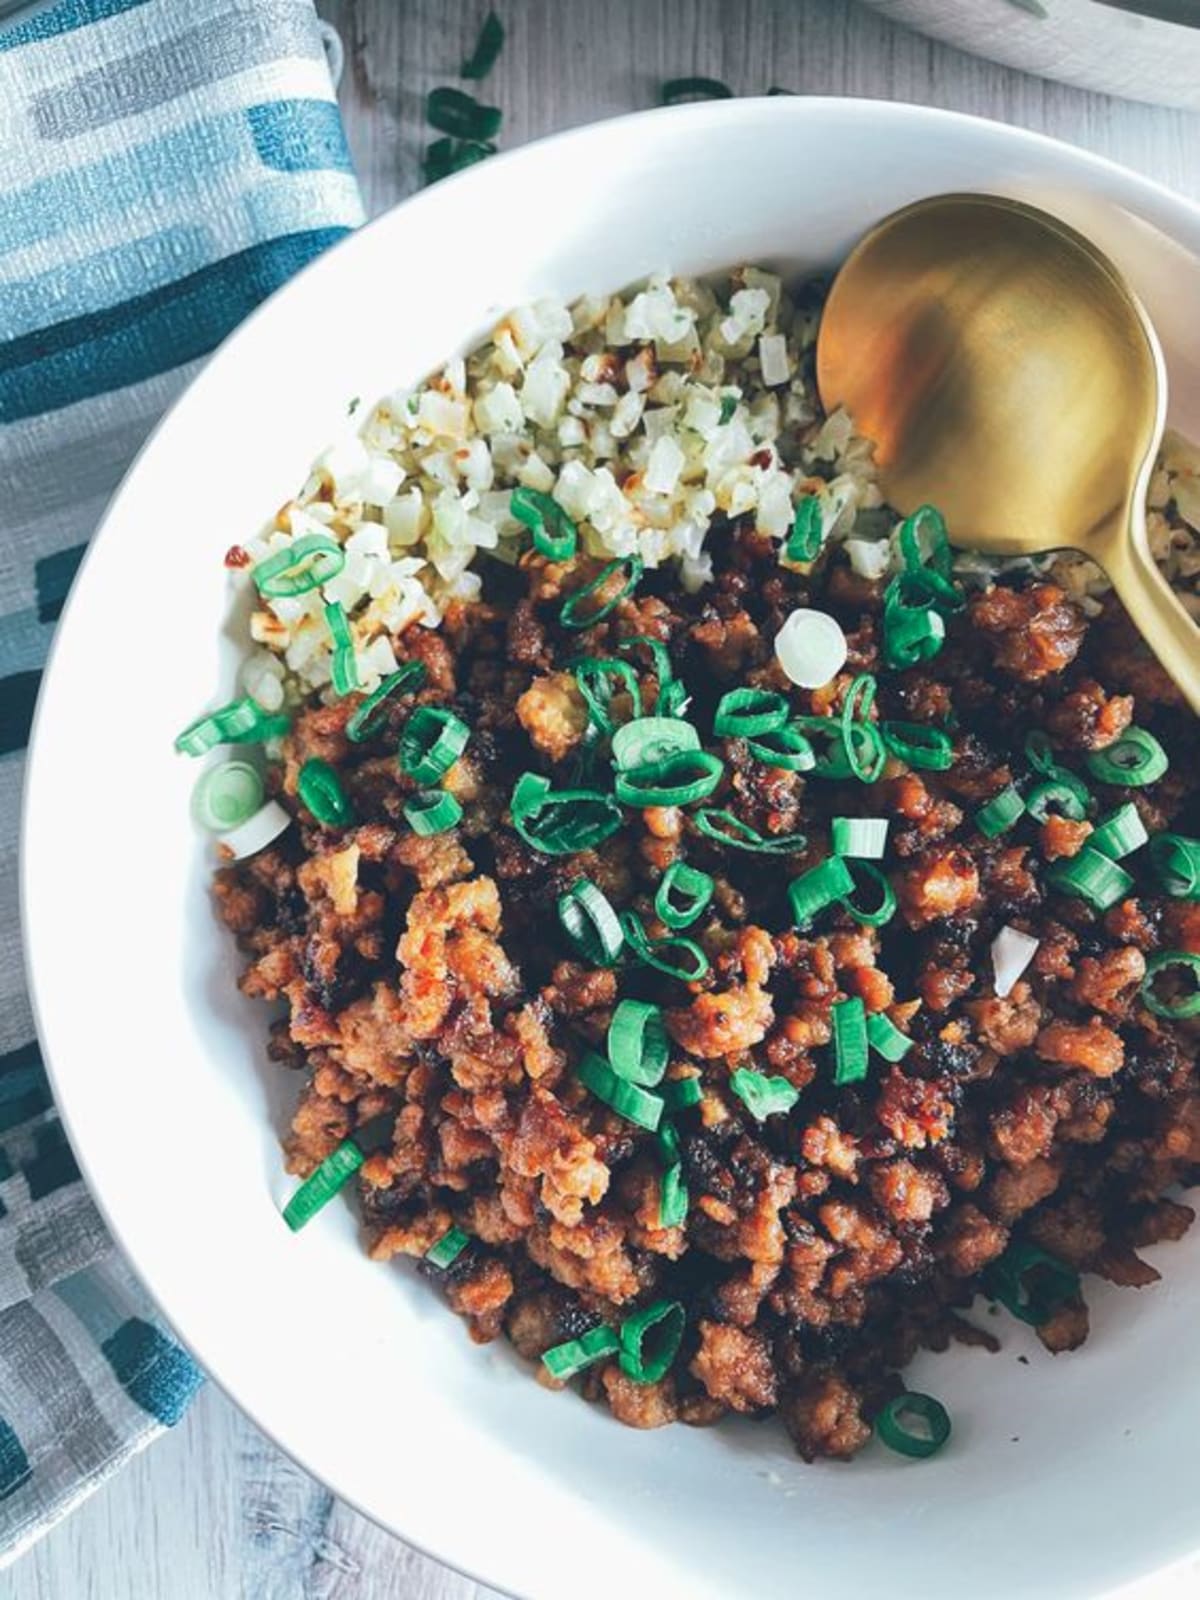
{"points": [[1064, 1475]]}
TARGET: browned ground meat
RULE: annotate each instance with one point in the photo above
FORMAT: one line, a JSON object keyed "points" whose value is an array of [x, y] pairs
{"points": [[432, 992]]}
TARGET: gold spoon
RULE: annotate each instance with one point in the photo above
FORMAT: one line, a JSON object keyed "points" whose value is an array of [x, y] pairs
{"points": [[1007, 374]]}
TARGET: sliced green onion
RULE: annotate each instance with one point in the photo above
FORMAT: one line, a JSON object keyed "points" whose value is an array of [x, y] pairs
{"points": [[1136, 758], [654, 952], [1176, 860], [673, 699], [675, 780], [860, 696], [448, 1248], [865, 837], [911, 636], [632, 566], [559, 822], [743, 712], [835, 762], [914, 1425], [885, 910], [226, 795], [566, 1360], [555, 536], [445, 156], [591, 923], [594, 675], [647, 740], [319, 1188], [807, 531], [886, 1038], [668, 1142], [811, 647], [677, 90], [461, 115], [1039, 753], [344, 667], [1053, 792], [1029, 1283], [487, 47], [1000, 813], [729, 404], [850, 1047], [304, 564], [725, 828], [682, 883], [240, 722], [659, 655], [626, 1099], [923, 542], [680, 1093], [1091, 876], [783, 747], [320, 788], [432, 741], [919, 745], [1186, 1005], [1120, 833], [638, 1047], [823, 885], [432, 811], [650, 1341], [369, 717], [762, 1096], [673, 1197]]}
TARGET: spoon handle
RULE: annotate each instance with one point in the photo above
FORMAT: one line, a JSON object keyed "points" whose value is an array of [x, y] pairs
{"points": [[1157, 612]]}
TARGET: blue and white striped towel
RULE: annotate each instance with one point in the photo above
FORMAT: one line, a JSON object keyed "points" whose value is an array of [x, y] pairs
{"points": [[164, 165]]}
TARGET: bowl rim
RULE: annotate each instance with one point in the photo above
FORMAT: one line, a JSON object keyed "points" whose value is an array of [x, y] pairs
{"points": [[707, 117]]}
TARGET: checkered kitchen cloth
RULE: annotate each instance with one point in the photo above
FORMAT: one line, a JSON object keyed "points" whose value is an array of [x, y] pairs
{"points": [[164, 165]]}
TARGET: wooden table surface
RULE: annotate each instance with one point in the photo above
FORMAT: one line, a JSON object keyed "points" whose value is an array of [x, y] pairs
{"points": [[213, 1511]]}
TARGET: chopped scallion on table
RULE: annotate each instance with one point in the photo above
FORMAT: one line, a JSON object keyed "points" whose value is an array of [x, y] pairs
{"points": [[448, 1248]]}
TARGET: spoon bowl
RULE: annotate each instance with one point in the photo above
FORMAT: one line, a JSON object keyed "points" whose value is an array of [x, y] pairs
{"points": [[1007, 374]]}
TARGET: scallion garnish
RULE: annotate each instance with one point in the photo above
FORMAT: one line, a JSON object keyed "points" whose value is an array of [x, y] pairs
{"points": [[487, 48], [823, 885], [911, 634], [834, 761], [674, 780], [659, 655], [762, 1096], [304, 564], [650, 1341], [226, 795], [727, 829], [369, 717], [864, 837], [638, 1046], [1039, 753], [924, 543], [1091, 876], [1052, 794], [555, 536], [566, 1360], [807, 530], [672, 1197], [626, 1099], [591, 923], [784, 747], [655, 952], [569, 613], [866, 765], [1120, 833], [885, 1037], [432, 811], [1176, 861], [744, 712], [919, 745], [811, 647], [1136, 758], [595, 675], [682, 895], [560, 822], [432, 741], [240, 722], [850, 1047], [344, 666], [447, 1249], [676, 90], [1029, 1283], [1012, 951], [913, 1424], [461, 115], [886, 908], [1184, 1005], [319, 1188], [680, 1093], [445, 156], [320, 788], [1000, 813]]}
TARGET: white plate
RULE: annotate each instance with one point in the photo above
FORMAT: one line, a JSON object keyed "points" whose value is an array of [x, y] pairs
{"points": [[1064, 1476]]}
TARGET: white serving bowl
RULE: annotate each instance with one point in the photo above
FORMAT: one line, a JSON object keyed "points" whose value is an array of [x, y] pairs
{"points": [[1064, 1476]]}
